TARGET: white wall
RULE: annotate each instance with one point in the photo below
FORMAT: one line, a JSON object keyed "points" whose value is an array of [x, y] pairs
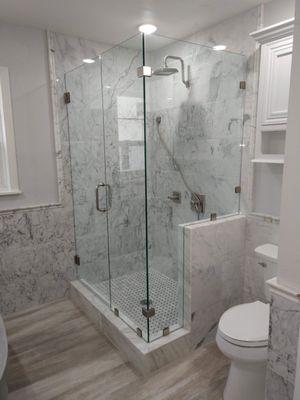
{"points": [[278, 10], [289, 237], [24, 52]]}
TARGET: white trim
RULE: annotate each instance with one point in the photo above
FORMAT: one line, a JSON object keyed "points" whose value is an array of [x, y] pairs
{"points": [[9, 152], [273, 32], [283, 291], [10, 192], [266, 217], [56, 106]]}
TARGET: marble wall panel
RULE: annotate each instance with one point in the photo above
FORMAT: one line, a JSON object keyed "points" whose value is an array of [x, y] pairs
{"points": [[214, 254], [283, 346], [259, 231], [197, 147]]}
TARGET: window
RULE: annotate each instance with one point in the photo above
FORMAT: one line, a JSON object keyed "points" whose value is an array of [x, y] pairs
{"points": [[8, 163]]}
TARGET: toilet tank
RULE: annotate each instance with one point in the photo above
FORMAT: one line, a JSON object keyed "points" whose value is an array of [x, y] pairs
{"points": [[267, 260]]}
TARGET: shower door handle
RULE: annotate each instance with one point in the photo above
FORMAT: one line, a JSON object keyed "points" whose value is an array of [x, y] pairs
{"points": [[108, 197]]}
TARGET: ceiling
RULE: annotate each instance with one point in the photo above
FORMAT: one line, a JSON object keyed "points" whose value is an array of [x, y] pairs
{"points": [[111, 21]]}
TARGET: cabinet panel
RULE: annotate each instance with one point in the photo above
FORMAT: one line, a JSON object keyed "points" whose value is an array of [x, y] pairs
{"points": [[276, 72]]}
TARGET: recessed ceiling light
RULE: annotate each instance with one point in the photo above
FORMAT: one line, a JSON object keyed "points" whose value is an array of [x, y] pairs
{"points": [[220, 47], [88, 60], [147, 29]]}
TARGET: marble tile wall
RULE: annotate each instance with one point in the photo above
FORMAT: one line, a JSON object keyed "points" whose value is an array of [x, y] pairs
{"points": [[283, 345], [258, 231], [37, 244], [108, 148], [214, 258], [124, 152], [196, 147]]}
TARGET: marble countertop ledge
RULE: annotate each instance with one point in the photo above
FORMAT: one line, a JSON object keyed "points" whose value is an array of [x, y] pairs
{"points": [[283, 291]]}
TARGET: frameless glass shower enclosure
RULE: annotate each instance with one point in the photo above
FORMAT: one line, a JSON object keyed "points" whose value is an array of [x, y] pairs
{"points": [[151, 149]]}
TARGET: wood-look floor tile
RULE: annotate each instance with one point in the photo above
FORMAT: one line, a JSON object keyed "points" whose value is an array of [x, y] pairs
{"points": [[55, 353]]}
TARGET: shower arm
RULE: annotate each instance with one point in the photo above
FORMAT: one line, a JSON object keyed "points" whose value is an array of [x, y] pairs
{"points": [[186, 82]]}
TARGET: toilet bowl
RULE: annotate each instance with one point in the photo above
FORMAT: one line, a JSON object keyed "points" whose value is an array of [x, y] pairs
{"points": [[242, 336]]}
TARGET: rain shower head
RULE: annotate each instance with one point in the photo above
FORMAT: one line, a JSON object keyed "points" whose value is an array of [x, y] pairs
{"points": [[165, 70]]}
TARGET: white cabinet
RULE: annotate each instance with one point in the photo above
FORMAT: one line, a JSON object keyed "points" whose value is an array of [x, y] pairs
{"points": [[276, 44], [276, 63], [273, 95]]}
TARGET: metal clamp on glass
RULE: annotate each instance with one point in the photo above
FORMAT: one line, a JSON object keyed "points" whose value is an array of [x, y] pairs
{"points": [[148, 313], [108, 197]]}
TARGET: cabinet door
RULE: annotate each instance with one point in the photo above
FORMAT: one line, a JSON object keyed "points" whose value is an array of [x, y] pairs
{"points": [[275, 75]]}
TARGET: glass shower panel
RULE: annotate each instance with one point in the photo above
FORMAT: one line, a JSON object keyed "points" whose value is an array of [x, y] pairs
{"points": [[194, 136], [125, 173], [88, 171]]}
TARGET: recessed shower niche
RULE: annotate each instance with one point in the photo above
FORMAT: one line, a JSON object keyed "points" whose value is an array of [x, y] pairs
{"points": [[146, 148]]}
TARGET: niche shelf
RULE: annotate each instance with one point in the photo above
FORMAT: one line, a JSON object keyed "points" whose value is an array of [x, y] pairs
{"points": [[268, 160], [276, 43]]}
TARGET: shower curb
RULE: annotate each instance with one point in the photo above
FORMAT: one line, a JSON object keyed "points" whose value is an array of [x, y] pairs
{"points": [[145, 357]]}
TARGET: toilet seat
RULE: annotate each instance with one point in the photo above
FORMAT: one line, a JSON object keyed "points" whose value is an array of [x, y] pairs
{"points": [[246, 325]]}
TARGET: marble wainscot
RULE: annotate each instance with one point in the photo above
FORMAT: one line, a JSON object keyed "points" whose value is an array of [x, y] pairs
{"points": [[145, 357], [214, 254], [283, 343], [259, 230]]}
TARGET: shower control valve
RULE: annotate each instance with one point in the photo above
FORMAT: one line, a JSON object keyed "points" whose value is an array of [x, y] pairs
{"points": [[176, 197]]}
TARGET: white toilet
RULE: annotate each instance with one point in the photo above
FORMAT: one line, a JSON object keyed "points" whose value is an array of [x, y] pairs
{"points": [[242, 336]]}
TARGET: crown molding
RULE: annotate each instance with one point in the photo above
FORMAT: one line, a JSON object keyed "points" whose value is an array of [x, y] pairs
{"points": [[273, 32]]}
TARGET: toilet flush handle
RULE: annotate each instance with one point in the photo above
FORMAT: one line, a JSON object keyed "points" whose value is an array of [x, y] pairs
{"points": [[262, 264]]}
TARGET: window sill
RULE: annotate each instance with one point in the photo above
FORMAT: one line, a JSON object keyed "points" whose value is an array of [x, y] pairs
{"points": [[10, 192]]}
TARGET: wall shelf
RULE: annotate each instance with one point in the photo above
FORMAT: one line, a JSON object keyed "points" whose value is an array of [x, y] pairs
{"points": [[276, 45], [268, 160]]}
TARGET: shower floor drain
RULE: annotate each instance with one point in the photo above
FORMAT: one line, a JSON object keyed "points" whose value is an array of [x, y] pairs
{"points": [[127, 292]]}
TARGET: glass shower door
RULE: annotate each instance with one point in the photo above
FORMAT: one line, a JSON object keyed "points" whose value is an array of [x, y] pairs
{"points": [[86, 143], [123, 117]]}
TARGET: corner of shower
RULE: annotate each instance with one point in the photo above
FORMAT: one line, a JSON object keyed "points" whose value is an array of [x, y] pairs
{"points": [[148, 155], [118, 259]]}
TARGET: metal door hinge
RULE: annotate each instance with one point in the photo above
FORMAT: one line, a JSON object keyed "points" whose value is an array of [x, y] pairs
{"points": [[213, 216], [166, 331], [237, 189], [148, 313], [116, 312], [144, 70], [67, 97], [243, 85], [77, 259]]}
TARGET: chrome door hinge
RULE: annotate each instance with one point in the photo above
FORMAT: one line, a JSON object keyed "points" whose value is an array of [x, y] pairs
{"points": [[213, 216], [144, 70], [77, 259], [166, 331], [237, 189], [116, 312], [67, 97], [243, 85]]}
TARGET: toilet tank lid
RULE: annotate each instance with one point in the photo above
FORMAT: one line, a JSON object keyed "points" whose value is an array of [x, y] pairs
{"points": [[268, 251], [246, 322]]}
